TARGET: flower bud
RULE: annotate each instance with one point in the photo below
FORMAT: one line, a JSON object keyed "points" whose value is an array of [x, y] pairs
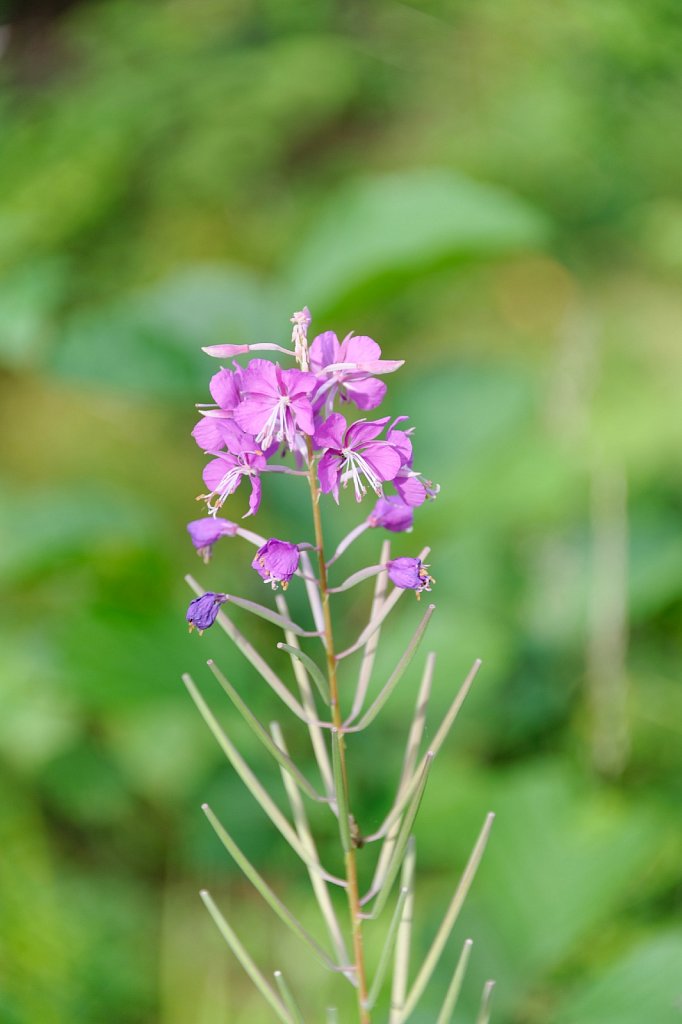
{"points": [[409, 574], [206, 532], [276, 562], [392, 513], [203, 611]]}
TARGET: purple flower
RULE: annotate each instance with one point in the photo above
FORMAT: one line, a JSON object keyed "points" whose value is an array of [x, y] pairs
{"points": [[204, 533], [202, 611], [225, 391], [224, 474], [410, 485], [275, 403], [353, 454], [276, 562], [409, 574], [392, 513], [347, 369]]}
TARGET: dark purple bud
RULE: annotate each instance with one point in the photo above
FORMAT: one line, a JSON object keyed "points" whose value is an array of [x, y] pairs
{"points": [[409, 574], [205, 532], [392, 513], [202, 611], [276, 562]]}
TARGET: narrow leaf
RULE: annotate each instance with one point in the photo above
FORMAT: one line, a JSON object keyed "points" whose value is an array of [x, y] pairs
{"points": [[401, 962], [486, 999], [313, 592], [245, 960], [409, 776], [264, 612], [317, 737], [287, 997], [340, 790], [374, 623], [256, 789], [264, 889], [368, 655], [382, 885], [452, 994], [319, 887], [396, 674], [264, 736], [389, 941], [443, 933], [252, 655], [357, 577], [347, 541], [313, 670]]}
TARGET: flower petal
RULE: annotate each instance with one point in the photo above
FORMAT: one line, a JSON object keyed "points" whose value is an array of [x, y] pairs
{"points": [[383, 459], [324, 350], [362, 431], [358, 349], [328, 473], [331, 433], [366, 394]]}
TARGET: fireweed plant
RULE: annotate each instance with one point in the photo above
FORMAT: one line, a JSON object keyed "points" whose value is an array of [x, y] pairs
{"points": [[268, 418]]}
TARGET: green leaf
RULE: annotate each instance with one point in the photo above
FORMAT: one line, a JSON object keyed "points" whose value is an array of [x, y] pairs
{"points": [[406, 222], [643, 985]]}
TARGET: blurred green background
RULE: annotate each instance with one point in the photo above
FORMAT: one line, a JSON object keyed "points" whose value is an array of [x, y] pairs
{"points": [[492, 191]]}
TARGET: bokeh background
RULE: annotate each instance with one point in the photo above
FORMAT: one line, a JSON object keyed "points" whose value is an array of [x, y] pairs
{"points": [[491, 190]]}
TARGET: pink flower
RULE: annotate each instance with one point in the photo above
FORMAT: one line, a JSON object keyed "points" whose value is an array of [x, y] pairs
{"points": [[409, 574], [347, 369], [276, 403], [224, 388], [352, 453], [392, 513], [276, 562], [206, 532], [203, 611], [224, 474]]}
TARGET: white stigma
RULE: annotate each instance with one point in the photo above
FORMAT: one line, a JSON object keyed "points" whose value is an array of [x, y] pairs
{"points": [[357, 467]]}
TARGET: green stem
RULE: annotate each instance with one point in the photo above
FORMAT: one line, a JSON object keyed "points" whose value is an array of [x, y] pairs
{"points": [[350, 855]]}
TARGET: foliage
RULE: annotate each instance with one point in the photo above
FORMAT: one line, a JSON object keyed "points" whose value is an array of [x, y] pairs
{"points": [[171, 172]]}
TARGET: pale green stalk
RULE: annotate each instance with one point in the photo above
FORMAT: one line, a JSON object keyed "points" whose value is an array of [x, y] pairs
{"points": [[401, 961], [245, 960], [257, 790], [265, 891], [486, 999], [369, 653], [287, 997], [382, 966], [319, 886], [382, 884], [396, 675], [303, 677], [443, 933], [263, 735], [452, 994]]}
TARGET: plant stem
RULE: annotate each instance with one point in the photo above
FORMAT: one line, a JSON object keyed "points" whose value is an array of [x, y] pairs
{"points": [[350, 857]]}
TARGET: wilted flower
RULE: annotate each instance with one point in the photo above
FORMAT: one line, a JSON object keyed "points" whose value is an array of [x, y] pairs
{"points": [[409, 574], [205, 532], [203, 611], [276, 403], [392, 513], [352, 453], [276, 562]]}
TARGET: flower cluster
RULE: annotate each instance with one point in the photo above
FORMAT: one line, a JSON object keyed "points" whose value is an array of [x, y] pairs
{"points": [[263, 412]]}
